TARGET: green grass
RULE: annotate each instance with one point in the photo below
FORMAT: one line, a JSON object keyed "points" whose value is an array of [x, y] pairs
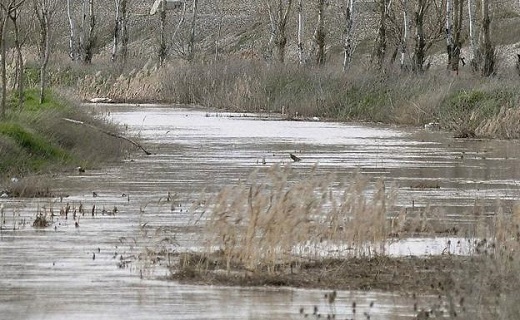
{"points": [[32, 101], [31, 142], [464, 111], [35, 138]]}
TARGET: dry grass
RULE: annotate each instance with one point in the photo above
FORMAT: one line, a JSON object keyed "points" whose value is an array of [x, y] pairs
{"points": [[272, 221], [305, 230], [467, 105], [489, 286]]}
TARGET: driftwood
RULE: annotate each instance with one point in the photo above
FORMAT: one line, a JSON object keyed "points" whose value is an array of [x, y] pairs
{"points": [[108, 133]]}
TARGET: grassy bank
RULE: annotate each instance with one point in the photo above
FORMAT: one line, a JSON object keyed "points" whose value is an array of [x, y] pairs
{"points": [[36, 139], [466, 104]]}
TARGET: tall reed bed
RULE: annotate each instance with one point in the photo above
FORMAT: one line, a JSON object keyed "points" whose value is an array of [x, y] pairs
{"points": [[467, 104], [273, 220]]}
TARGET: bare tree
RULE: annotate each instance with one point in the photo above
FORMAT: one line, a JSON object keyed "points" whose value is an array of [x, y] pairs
{"points": [[278, 11], [191, 42], [88, 28], [301, 58], [471, 23], [220, 15], [18, 83], [485, 58], [44, 10], [428, 21], [6, 7], [162, 52], [120, 42], [176, 41], [347, 46], [73, 35], [319, 34], [381, 42], [404, 39], [178, 38], [4, 15], [454, 12], [419, 53], [82, 37]]}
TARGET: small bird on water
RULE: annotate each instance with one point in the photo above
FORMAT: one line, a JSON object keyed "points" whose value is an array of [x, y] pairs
{"points": [[294, 158]]}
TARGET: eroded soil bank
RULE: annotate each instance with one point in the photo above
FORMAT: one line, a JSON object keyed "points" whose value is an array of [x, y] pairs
{"points": [[420, 275]]}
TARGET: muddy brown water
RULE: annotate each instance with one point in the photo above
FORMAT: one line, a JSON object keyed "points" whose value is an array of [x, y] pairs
{"points": [[93, 271]]}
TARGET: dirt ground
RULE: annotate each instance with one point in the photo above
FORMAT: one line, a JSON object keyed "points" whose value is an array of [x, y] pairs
{"points": [[428, 275]]}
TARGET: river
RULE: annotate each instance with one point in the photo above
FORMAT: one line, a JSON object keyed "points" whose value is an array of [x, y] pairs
{"points": [[93, 270]]}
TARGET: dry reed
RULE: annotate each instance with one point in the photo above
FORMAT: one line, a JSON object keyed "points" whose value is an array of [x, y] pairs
{"points": [[272, 221]]}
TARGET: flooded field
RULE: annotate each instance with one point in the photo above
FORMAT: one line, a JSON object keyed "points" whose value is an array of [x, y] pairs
{"points": [[86, 265]]}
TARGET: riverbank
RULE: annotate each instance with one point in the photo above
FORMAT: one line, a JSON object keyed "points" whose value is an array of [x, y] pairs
{"points": [[465, 104], [54, 137]]}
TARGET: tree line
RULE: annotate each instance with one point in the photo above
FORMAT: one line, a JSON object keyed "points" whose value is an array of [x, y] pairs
{"points": [[404, 32]]}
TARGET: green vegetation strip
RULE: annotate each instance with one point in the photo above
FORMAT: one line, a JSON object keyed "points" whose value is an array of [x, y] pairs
{"points": [[31, 142]]}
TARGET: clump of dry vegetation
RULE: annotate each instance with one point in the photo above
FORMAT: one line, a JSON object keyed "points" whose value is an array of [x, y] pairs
{"points": [[280, 221], [282, 228], [265, 224]]}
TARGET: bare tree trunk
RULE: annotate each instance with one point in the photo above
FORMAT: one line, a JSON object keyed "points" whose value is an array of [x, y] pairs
{"points": [[120, 42], [272, 30], [300, 33], [87, 36], [319, 34], [471, 22], [44, 61], [191, 43], [44, 12], [453, 29], [19, 72], [420, 42], [163, 49], [8, 11], [449, 30], [117, 26], [278, 22], [404, 40], [217, 40], [73, 41], [281, 39], [220, 15], [90, 37], [347, 46], [124, 32], [82, 36], [486, 48], [181, 21], [380, 47], [3, 51]]}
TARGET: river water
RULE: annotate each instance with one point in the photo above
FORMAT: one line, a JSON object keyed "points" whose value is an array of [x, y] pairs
{"points": [[94, 271]]}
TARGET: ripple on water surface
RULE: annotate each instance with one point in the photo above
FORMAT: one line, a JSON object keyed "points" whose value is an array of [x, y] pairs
{"points": [[93, 271]]}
